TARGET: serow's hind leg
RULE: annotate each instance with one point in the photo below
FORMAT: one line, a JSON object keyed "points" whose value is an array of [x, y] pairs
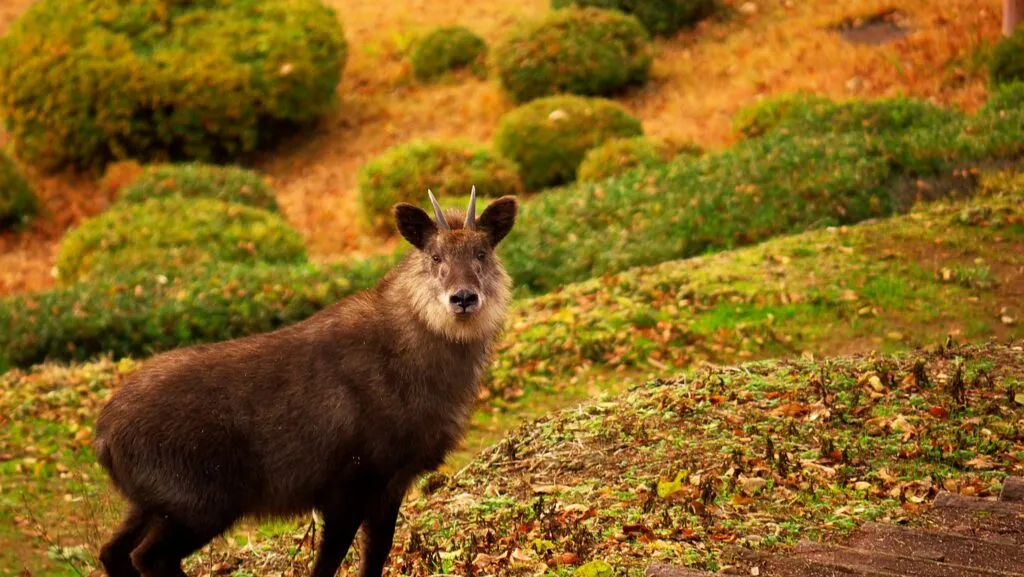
{"points": [[166, 545], [115, 555]]}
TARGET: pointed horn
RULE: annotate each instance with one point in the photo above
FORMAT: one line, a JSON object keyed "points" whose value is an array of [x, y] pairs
{"points": [[441, 222], [471, 211]]}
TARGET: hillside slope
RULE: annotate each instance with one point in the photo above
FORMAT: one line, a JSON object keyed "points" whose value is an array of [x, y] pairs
{"points": [[700, 79], [946, 268]]}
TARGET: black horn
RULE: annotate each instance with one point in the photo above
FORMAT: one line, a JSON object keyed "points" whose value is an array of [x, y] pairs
{"points": [[471, 211], [441, 222]]}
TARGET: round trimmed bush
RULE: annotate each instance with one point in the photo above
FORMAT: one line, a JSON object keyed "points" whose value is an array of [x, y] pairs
{"points": [[404, 172], [86, 81], [171, 233], [1006, 63], [196, 180], [584, 51], [446, 49], [18, 203], [660, 17], [620, 155], [549, 137]]}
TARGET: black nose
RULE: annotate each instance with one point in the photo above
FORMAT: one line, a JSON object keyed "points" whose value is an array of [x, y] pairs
{"points": [[464, 299]]}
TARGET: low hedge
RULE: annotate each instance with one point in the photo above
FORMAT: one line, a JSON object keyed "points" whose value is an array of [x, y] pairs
{"points": [[446, 49], [778, 184], [549, 137], [196, 180], [84, 82], [660, 17], [1006, 62], [588, 51], [174, 232], [807, 113], [18, 202], [621, 155], [140, 313], [404, 172]]}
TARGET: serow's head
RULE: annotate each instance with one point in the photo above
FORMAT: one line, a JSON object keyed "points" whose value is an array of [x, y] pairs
{"points": [[458, 274]]}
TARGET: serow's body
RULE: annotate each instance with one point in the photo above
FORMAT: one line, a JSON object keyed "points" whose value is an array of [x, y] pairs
{"points": [[339, 413]]}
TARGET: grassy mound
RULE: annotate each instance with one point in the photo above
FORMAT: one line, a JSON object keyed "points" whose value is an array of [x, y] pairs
{"points": [[446, 49], [549, 137], [886, 284], [18, 203], [660, 17], [589, 52], [142, 312], [169, 233], [86, 81], [759, 455], [404, 172], [621, 155], [1006, 63], [195, 180]]}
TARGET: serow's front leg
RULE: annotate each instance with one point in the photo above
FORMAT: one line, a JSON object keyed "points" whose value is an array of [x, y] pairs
{"points": [[340, 526], [379, 532]]}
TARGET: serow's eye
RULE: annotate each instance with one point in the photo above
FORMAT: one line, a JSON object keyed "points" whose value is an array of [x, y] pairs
{"points": [[481, 254], [437, 258]]}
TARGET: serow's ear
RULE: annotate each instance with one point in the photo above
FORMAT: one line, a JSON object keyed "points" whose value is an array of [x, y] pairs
{"points": [[498, 218], [414, 224]]}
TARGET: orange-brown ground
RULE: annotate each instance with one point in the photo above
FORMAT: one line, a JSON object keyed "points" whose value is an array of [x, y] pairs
{"points": [[700, 79]]}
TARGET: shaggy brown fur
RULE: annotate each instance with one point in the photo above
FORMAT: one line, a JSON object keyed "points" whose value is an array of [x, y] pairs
{"points": [[338, 413]]}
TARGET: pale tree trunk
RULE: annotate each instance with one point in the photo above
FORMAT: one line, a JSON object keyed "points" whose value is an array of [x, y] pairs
{"points": [[1012, 11]]}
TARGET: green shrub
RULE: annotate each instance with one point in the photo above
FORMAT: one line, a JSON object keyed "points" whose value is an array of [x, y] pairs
{"points": [[587, 51], [548, 137], [778, 184], [660, 17], [620, 155], [195, 180], [446, 49], [404, 172], [168, 233], [87, 81], [997, 130], [763, 116], [1006, 62], [141, 313], [18, 203]]}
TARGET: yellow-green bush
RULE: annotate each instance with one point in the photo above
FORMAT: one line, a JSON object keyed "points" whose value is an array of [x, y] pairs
{"points": [[621, 155], [548, 137], [172, 233], [446, 49], [584, 51], [18, 202], [196, 180], [660, 17], [404, 172], [86, 81]]}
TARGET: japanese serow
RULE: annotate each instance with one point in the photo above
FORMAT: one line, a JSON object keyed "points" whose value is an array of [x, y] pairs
{"points": [[338, 414]]}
